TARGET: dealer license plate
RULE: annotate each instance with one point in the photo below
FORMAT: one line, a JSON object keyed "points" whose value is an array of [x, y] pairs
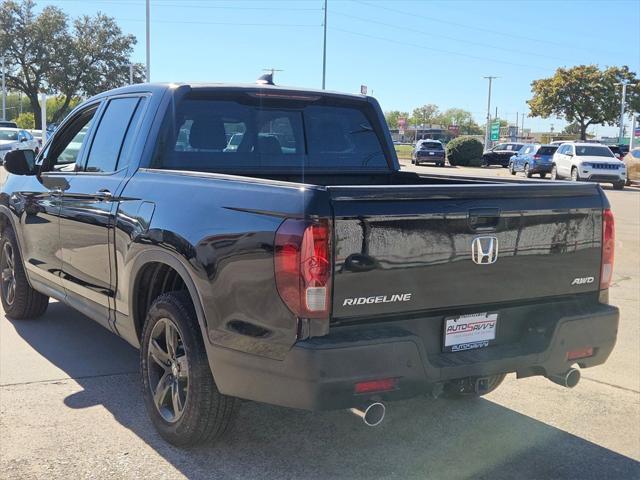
{"points": [[467, 332]]}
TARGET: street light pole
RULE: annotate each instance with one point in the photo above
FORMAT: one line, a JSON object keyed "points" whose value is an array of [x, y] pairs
{"points": [[487, 137], [148, 69], [324, 48], [4, 93], [622, 102], [131, 74]]}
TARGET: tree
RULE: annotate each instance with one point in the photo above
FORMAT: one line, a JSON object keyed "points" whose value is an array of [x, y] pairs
{"points": [[393, 116], [572, 129], [425, 114], [463, 119], [44, 55], [583, 94]]}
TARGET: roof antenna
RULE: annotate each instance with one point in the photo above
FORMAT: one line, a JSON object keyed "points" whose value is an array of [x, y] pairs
{"points": [[267, 78]]}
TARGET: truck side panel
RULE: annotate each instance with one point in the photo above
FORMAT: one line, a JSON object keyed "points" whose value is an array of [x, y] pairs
{"points": [[222, 231]]}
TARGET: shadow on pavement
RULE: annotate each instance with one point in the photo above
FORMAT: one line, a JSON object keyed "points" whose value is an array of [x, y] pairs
{"points": [[421, 438]]}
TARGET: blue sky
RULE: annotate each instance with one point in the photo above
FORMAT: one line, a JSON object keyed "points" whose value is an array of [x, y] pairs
{"points": [[408, 52]]}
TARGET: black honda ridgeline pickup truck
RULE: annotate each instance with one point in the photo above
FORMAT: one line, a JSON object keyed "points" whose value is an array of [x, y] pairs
{"points": [[262, 243]]}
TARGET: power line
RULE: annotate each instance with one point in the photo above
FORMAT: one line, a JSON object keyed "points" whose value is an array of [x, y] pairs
{"points": [[433, 49], [231, 24], [184, 5], [472, 27], [471, 42]]}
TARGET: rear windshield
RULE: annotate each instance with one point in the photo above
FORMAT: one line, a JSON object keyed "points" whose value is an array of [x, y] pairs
{"points": [[547, 150], [593, 151], [248, 134], [431, 146]]}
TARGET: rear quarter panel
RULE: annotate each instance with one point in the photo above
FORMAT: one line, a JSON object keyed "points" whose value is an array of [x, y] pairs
{"points": [[221, 229]]}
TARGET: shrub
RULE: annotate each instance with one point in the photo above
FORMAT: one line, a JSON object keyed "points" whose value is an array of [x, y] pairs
{"points": [[25, 120], [464, 151]]}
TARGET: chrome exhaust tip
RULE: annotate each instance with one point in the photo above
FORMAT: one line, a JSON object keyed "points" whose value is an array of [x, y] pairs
{"points": [[372, 416], [569, 379]]}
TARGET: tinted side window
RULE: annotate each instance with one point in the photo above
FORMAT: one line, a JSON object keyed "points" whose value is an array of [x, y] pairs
{"points": [[66, 145], [108, 140]]}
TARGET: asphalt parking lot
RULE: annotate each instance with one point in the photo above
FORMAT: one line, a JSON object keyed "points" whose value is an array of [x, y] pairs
{"points": [[71, 407]]}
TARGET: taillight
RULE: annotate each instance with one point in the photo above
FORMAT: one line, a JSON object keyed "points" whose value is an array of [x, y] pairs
{"points": [[303, 267], [608, 244], [537, 157]]}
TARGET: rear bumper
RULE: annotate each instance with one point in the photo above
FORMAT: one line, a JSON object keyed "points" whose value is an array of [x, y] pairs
{"points": [[429, 159], [541, 168], [320, 373]]}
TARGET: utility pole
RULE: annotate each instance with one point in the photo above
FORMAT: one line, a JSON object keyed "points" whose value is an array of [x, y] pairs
{"points": [[324, 48], [272, 71], [131, 74], [517, 130], [43, 114], [622, 102], [148, 69], [633, 131], [522, 126], [4, 93], [487, 137]]}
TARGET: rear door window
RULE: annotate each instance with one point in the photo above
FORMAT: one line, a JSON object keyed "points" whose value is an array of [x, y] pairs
{"points": [[108, 141]]}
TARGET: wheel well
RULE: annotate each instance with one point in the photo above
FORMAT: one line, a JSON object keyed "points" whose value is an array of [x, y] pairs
{"points": [[153, 280]]}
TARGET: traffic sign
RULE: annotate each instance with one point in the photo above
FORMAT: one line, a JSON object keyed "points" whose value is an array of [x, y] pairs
{"points": [[495, 130]]}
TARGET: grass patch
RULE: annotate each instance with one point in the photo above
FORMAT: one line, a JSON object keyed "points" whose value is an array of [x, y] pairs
{"points": [[404, 151]]}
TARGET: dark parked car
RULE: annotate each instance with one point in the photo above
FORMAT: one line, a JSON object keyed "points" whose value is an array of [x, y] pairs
{"points": [[428, 151], [533, 159], [617, 151], [304, 268], [500, 154], [8, 124]]}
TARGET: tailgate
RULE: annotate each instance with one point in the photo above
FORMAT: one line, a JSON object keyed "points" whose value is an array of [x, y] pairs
{"points": [[405, 249]]}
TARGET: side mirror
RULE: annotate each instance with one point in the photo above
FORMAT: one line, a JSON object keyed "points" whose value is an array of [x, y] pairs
{"points": [[20, 162], [23, 139]]}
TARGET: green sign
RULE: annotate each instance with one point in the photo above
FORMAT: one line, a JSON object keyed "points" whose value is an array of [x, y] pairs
{"points": [[495, 130]]}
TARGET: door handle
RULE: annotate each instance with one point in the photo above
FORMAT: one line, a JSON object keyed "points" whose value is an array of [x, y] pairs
{"points": [[104, 194]]}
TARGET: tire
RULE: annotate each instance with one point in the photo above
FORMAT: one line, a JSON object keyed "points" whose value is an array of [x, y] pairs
{"points": [[484, 163], [543, 175], [511, 169], [619, 186], [464, 388], [575, 176], [527, 171], [554, 173], [190, 410], [19, 300], [413, 161]]}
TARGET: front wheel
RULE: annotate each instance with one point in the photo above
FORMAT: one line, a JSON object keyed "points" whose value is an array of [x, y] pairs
{"points": [[554, 173], [179, 391], [19, 300], [619, 186], [575, 176], [512, 171]]}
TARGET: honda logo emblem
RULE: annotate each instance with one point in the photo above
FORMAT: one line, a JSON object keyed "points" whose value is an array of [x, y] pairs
{"points": [[484, 250]]}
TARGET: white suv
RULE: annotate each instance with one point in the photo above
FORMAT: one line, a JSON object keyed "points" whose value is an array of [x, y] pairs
{"points": [[588, 162]]}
